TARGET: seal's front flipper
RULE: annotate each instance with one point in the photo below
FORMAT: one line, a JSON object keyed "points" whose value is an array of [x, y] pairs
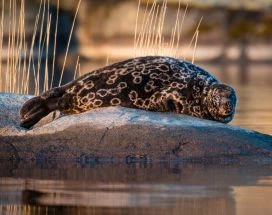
{"points": [[166, 101]]}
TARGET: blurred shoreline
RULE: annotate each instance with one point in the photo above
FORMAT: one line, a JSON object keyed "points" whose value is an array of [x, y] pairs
{"points": [[256, 53]]}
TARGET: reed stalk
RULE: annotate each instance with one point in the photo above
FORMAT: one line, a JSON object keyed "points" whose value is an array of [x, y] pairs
{"points": [[150, 40], [23, 60], [69, 40], [21, 64]]}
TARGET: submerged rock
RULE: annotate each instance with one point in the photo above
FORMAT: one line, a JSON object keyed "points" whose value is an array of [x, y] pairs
{"points": [[130, 135]]}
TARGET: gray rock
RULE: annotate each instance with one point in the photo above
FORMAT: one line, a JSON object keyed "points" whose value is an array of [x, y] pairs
{"points": [[131, 135], [10, 105], [9, 112]]}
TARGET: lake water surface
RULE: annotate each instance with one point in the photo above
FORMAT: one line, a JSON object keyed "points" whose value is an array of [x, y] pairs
{"points": [[150, 188], [138, 188]]}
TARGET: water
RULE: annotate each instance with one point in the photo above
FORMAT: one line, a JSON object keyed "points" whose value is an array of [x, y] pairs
{"points": [[254, 94], [254, 108], [139, 188], [145, 188]]}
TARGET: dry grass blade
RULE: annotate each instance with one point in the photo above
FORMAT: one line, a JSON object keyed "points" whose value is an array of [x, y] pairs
{"points": [[140, 36], [193, 58], [179, 30], [69, 40], [30, 57], [193, 38], [136, 26], [55, 44], [1, 45], [13, 35], [146, 39], [108, 59], [22, 60], [174, 30], [37, 77], [144, 27], [24, 48], [151, 39], [79, 70], [161, 41], [152, 45], [46, 75], [76, 69], [20, 45], [7, 77]]}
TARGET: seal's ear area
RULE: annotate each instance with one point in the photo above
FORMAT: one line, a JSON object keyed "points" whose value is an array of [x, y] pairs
{"points": [[35, 109]]}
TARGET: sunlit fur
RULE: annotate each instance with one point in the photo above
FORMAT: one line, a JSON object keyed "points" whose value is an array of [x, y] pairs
{"points": [[154, 83]]}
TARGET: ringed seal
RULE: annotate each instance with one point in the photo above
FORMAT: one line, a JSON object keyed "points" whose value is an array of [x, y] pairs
{"points": [[154, 83]]}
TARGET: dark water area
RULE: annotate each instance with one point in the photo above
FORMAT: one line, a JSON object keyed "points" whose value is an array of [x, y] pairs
{"points": [[152, 188], [136, 188]]}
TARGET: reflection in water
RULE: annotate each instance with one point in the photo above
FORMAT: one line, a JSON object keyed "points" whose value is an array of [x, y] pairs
{"points": [[158, 188], [254, 108]]}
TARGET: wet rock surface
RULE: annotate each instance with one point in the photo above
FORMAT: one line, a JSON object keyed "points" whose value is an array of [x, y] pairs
{"points": [[129, 135]]}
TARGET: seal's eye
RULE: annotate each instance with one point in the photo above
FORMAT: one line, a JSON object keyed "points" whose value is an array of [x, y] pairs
{"points": [[228, 107]]}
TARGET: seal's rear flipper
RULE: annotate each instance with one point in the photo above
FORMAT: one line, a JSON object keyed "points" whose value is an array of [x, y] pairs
{"points": [[38, 107], [35, 109]]}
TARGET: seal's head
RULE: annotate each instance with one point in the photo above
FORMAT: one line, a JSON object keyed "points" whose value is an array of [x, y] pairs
{"points": [[221, 102]]}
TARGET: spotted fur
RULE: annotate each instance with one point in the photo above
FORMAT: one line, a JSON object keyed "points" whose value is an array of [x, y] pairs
{"points": [[152, 83]]}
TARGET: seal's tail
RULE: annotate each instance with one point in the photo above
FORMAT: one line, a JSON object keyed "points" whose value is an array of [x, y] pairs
{"points": [[38, 107]]}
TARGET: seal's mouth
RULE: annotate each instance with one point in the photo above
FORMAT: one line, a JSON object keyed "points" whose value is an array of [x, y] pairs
{"points": [[226, 110]]}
